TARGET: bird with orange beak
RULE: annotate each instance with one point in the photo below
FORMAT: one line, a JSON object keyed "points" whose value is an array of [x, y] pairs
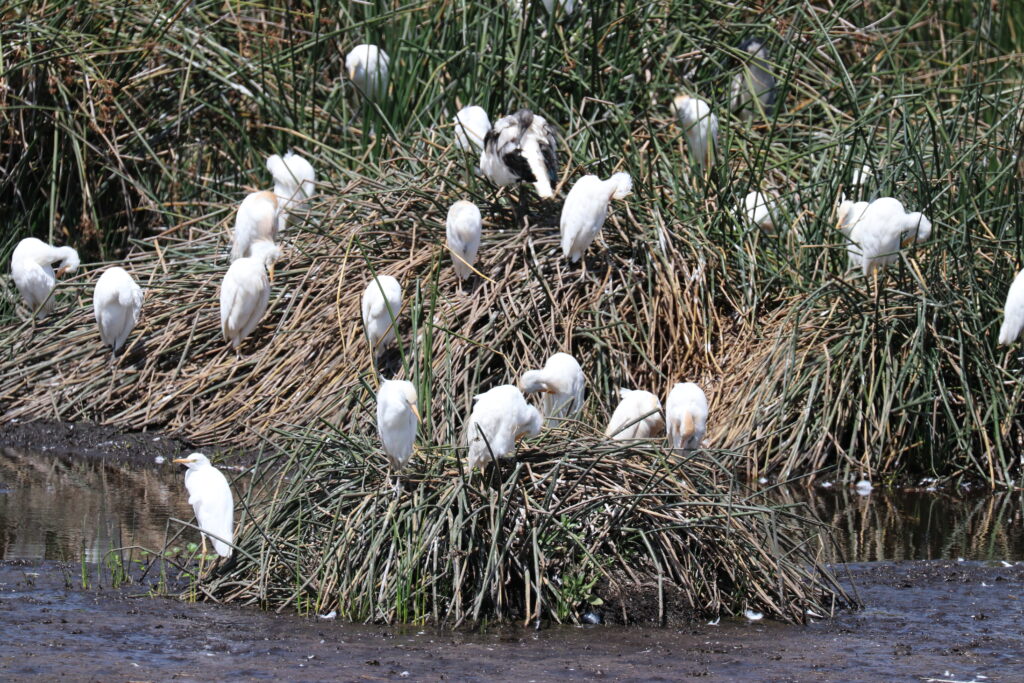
{"points": [[245, 292], [210, 497], [397, 420]]}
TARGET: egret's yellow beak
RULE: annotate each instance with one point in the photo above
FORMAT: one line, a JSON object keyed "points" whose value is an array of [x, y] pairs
{"points": [[352, 74], [270, 272], [412, 406], [182, 461], [907, 241], [61, 271]]}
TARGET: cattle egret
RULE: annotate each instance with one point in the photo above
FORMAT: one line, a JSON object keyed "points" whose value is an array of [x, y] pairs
{"points": [[32, 272], [463, 227], [686, 416], [760, 211], [700, 126], [499, 419], [116, 302], [294, 183], [367, 67], [753, 89], [245, 292], [397, 417], [881, 229], [638, 416], [1013, 312], [561, 381], [210, 497], [382, 300], [521, 148], [256, 220], [471, 126], [585, 209]]}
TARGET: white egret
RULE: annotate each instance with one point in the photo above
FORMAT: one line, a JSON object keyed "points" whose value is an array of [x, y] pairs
{"points": [[397, 417], [585, 209], [521, 147], [210, 497], [245, 292], [367, 67], [686, 416], [860, 176], [256, 220], [753, 90], [881, 229], [562, 382], [700, 126], [32, 272], [760, 211], [463, 227], [638, 416], [1013, 312], [382, 301], [499, 419], [116, 303], [471, 126], [294, 183]]}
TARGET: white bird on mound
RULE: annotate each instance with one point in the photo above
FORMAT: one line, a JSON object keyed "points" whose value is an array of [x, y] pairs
{"points": [[32, 272], [760, 211], [367, 67], [585, 209], [499, 419], [753, 89], [245, 292], [638, 416], [256, 220], [521, 148], [882, 228], [1013, 312], [397, 417], [210, 497], [471, 126], [116, 303], [562, 382], [463, 227], [700, 126], [686, 416], [294, 183], [382, 301]]}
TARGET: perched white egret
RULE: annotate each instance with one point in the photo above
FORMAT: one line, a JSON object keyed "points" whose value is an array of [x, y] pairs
{"points": [[760, 211], [638, 416], [256, 220], [294, 181], [116, 302], [753, 90], [210, 497], [1013, 312], [463, 226], [700, 126], [32, 272], [499, 419], [521, 147], [471, 126], [561, 380], [686, 416], [881, 229], [397, 417], [382, 300], [245, 292], [367, 67], [586, 207]]}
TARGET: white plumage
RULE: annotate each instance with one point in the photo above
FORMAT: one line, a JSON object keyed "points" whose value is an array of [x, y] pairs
{"points": [[382, 301], [760, 211], [367, 67], [859, 177], [463, 227], [294, 180], [245, 292], [878, 231], [32, 272], [638, 416], [562, 382], [397, 417], [256, 220], [210, 497], [686, 416], [700, 126], [521, 147], [753, 89], [116, 303], [499, 419], [471, 126], [1013, 312], [585, 209]]}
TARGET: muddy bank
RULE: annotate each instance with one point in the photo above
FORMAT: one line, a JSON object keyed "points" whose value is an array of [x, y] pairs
{"points": [[88, 440], [939, 619]]}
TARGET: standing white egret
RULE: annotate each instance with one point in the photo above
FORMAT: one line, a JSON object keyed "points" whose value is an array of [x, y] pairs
{"points": [[700, 126], [294, 182], [638, 416], [463, 227], [686, 416], [397, 417], [753, 90], [245, 292], [760, 211], [382, 301], [882, 228], [210, 497], [1013, 312], [367, 67], [521, 147], [562, 382], [256, 220], [471, 126], [585, 209], [499, 419], [32, 272], [116, 303]]}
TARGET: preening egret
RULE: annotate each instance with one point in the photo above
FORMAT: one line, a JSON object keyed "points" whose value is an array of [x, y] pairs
{"points": [[499, 419], [382, 301], [210, 497], [700, 126], [116, 302], [245, 292], [760, 211], [294, 182], [638, 416], [397, 417], [521, 148], [881, 229], [585, 209], [471, 126], [753, 90], [561, 380], [1013, 312], [32, 272], [686, 416], [367, 67], [463, 227], [256, 220]]}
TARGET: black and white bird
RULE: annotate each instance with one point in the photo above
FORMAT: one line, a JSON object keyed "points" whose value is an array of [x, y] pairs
{"points": [[753, 91], [521, 147]]}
